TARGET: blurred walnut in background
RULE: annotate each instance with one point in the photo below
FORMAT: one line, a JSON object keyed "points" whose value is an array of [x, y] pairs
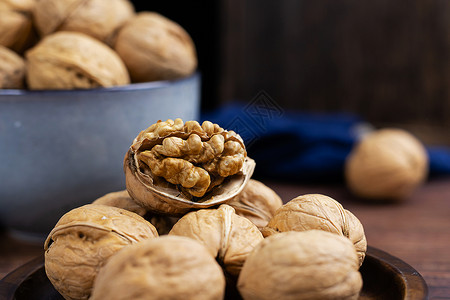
{"points": [[155, 48], [12, 69], [97, 18], [72, 60], [16, 28], [387, 164]]}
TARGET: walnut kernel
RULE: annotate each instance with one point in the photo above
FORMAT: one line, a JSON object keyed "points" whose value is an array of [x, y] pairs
{"points": [[173, 166]]}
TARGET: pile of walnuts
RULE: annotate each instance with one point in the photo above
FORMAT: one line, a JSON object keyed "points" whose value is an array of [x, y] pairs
{"points": [[81, 44], [192, 224]]}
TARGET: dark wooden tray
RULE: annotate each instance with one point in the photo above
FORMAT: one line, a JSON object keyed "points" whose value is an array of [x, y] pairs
{"points": [[385, 277]]}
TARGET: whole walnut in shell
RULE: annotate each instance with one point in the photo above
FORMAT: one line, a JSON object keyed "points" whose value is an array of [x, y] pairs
{"points": [[83, 240], [24, 6], [16, 28], [12, 69], [97, 18], [169, 267], [122, 199], [257, 202], [155, 48], [313, 264], [315, 211], [174, 166], [71, 60], [229, 237], [387, 164]]}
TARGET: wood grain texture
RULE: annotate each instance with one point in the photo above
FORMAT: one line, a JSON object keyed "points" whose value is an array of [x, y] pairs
{"points": [[388, 61]]}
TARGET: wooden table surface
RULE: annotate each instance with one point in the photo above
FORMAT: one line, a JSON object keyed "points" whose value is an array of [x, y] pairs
{"points": [[416, 231]]}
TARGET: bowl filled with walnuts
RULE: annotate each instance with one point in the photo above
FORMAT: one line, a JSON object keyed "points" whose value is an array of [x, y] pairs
{"points": [[78, 80]]}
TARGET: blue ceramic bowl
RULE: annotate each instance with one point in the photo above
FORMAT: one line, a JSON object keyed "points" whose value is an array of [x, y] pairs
{"points": [[62, 149]]}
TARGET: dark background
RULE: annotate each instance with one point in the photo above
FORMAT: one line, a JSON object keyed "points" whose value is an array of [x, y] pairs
{"points": [[387, 61]]}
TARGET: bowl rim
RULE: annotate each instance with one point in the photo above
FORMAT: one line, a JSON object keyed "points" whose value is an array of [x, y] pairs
{"points": [[118, 88]]}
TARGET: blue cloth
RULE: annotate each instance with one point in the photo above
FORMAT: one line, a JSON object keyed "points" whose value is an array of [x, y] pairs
{"points": [[301, 146]]}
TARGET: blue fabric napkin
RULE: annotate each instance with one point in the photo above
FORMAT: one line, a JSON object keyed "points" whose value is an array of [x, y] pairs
{"points": [[309, 147]]}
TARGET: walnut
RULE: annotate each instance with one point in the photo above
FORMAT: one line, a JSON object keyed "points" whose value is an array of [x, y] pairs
{"points": [[12, 69], [71, 60], [257, 202], [25, 6], [16, 28], [387, 164], [122, 199], [155, 48], [174, 166], [315, 211], [97, 18], [169, 267], [83, 240], [229, 237], [313, 264]]}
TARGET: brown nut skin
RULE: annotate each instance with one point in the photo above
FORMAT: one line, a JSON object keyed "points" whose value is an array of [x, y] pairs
{"points": [[24, 6], [169, 267], [257, 202], [12, 69], [16, 30], [315, 211], [313, 264], [72, 60], [155, 48], [122, 199], [99, 19], [206, 166], [83, 240], [229, 237], [386, 165]]}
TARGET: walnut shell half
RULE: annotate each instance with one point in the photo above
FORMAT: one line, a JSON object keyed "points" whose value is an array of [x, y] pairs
{"points": [[313, 265], [315, 211], [84, 239], [229, 237], [169, 267], [173, 166]]}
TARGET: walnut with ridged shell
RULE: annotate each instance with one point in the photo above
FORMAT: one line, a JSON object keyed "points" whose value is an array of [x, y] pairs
{"points": [[122, 199], [257, 202], [316, 211], [172, 166], [169, 267], [308, 265], [229, 237], [84, 239]]}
